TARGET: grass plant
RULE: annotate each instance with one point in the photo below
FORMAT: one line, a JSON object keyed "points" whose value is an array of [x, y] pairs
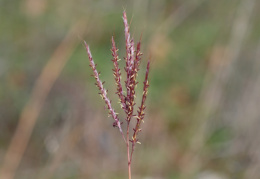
{"points": [[127, 98]]}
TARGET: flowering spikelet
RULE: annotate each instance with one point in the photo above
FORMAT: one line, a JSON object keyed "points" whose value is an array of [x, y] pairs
{"points": [[137, 61], [103, 91], [127, 40], [127, 101], [140, 115], [130, 81], [117, 74], [135, 70]]}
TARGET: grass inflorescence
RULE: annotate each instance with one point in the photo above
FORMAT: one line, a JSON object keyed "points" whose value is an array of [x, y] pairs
{"points": [[127, 100]]}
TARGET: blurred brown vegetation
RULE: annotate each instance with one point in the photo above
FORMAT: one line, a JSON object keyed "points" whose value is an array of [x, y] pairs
{"points": [[202, 110]]}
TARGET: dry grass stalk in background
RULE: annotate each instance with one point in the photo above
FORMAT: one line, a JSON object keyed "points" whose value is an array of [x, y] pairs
{"points": [[213, 92], [127, 101], [32, 109]]}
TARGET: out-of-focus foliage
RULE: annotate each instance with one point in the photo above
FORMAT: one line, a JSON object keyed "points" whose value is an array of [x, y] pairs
{"points": [[204, 60]]}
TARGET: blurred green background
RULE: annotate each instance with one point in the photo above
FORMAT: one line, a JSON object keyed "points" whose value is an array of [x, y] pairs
{"points": [[202, 118]]}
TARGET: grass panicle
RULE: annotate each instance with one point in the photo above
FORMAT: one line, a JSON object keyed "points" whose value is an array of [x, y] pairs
{"points": [[127, 101]]}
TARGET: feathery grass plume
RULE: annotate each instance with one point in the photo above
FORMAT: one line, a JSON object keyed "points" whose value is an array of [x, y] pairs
{"points": [[117, 75], [103, 91], [129, 70], [127, 101], [140, 115]]}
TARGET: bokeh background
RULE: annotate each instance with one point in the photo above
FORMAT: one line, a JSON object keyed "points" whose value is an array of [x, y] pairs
{"points": [[202, 118]]}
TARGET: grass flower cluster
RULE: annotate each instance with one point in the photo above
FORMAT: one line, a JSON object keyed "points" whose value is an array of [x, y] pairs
{"points": [[127, 100]]}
